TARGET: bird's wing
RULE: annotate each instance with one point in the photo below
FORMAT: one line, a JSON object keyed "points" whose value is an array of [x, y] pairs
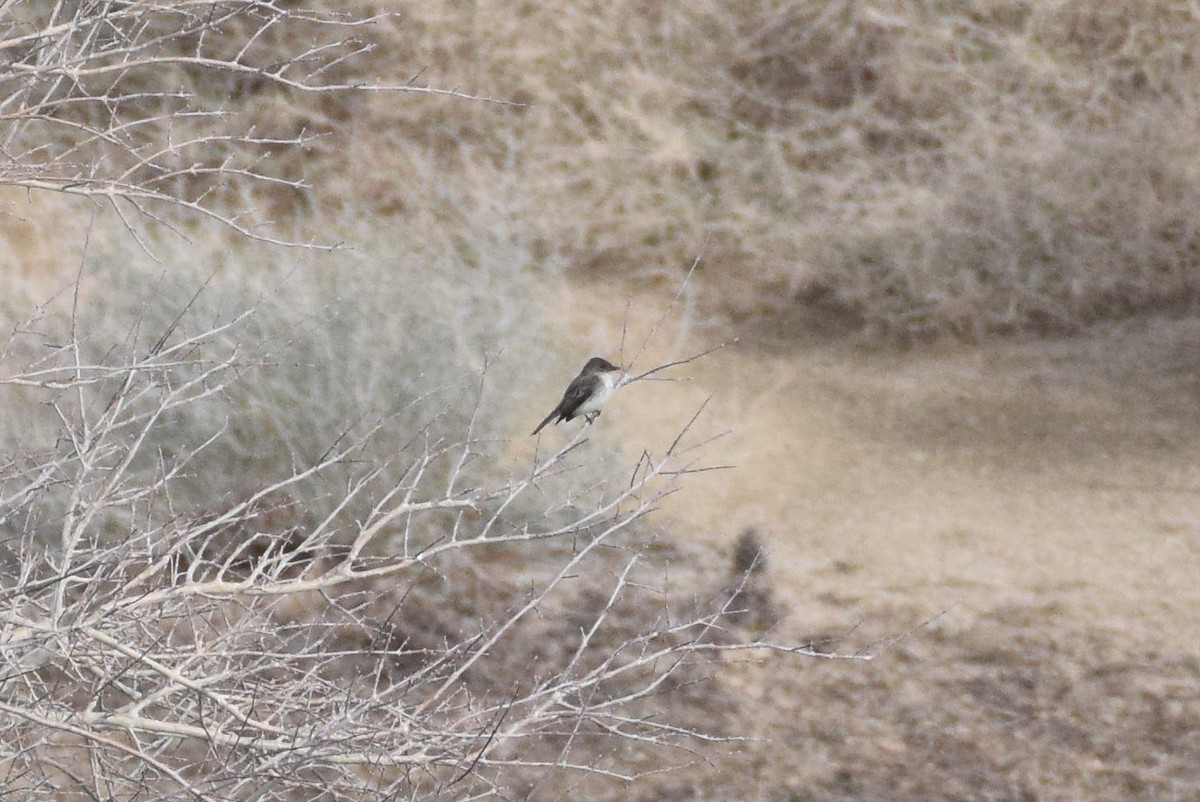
{"points": [[578, 391]]}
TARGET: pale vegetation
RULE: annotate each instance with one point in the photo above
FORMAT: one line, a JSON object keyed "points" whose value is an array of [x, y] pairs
{"points": [[262, 534], [919, 169]]}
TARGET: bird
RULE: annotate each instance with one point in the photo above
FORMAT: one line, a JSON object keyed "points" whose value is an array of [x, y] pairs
{"points": [[586, 393]]}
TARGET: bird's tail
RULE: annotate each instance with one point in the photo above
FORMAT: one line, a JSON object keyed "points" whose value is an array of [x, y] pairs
{"points": [[542, 425]]}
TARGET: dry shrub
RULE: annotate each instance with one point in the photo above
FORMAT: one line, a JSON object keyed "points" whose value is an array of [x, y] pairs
{"points": [[1132, 51], [1043, 233], [384, 612], [141, 105], [804, 142], [307, 350], [947, 170]]}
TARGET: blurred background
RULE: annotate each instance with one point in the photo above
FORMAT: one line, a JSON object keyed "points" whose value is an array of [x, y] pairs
{"points": [[951, 248]]}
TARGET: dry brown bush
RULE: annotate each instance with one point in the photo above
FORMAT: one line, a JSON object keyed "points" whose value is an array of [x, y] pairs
{"points": [[141, 105], [1046, 233], [964, 168]]}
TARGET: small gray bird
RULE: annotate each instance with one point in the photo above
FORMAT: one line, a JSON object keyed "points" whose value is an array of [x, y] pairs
{"points": [[586, 393]]}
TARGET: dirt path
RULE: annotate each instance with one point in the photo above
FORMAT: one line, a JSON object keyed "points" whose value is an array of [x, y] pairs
{"points": [[1062, 474], [1033, 506]]}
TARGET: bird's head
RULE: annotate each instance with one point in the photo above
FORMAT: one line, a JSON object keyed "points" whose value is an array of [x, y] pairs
{"points": [[599, 365]]}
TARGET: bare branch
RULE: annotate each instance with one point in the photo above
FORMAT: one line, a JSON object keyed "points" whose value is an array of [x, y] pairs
{"points": [[113, 100], [419, 627]]}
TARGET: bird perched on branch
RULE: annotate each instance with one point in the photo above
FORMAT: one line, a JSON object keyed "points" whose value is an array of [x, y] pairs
{"points": [[586, 393]]}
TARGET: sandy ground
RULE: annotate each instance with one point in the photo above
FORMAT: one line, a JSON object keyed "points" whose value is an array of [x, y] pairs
{"points": [[1031, 508], [955, 478]]}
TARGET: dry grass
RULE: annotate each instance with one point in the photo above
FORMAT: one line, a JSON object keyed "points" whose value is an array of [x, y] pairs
{"points": [[957, 168], [961, 168], [911, 170], [324, 347]]}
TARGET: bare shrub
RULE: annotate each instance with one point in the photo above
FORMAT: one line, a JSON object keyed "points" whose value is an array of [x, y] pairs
{"points": [[829, 153], [337, 344], [232, 571], [258, 539], [1043, 233], [142, 104], [806, 142]]}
